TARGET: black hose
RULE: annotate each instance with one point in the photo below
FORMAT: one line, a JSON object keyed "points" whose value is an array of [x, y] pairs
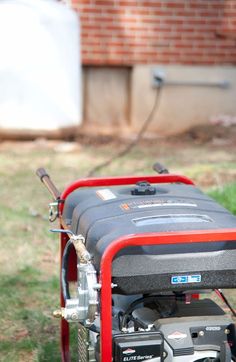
{"points": [[64, 270], [133, 305], [225, 300], [94, 328]]}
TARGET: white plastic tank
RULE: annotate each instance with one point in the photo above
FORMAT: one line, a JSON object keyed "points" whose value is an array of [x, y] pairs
{"points": [[40, 68]]}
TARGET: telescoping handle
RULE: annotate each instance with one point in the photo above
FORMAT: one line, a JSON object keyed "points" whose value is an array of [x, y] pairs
{"points": [[45, 178]]}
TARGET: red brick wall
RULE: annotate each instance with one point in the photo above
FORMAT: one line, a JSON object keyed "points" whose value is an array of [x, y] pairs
{"points": [[126, 32]]}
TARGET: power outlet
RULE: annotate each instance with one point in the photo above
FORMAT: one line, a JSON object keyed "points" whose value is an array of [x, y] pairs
{"points": [[158, 77]]}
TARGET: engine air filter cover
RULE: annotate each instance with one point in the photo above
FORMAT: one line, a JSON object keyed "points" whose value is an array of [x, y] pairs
{"points": [[138, 347]]}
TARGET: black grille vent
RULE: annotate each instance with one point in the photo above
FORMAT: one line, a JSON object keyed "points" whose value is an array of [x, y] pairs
{"points": [[183, 351]]}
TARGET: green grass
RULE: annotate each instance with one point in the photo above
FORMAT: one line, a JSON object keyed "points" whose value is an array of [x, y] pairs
{"points": [[27, 329], [226, 196], [29, 268]]}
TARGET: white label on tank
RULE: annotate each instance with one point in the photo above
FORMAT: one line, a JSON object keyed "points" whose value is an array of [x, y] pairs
{"points": [[105, 194]]}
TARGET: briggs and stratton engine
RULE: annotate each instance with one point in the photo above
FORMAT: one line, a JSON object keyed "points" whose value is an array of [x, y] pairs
{"points": [[195, 332], [152, 303]]}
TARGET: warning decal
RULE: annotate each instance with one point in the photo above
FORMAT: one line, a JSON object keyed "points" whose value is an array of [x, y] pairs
{"points": [[105, 194]]}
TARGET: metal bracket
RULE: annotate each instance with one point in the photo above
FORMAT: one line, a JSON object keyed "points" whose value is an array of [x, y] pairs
{"points": [[54, 210]]}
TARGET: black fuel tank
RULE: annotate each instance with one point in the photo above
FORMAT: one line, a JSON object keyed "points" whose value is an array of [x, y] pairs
{"points": [[102, 214]]}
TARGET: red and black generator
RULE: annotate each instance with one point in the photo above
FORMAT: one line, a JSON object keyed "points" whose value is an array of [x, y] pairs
{"points": [[144, 252]]}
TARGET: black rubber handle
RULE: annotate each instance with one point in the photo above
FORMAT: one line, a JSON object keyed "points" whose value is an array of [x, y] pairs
{"points": [[45, 178], [41, 173], [159, 168]]}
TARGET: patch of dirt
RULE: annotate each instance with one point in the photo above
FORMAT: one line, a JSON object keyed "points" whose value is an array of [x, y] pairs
{"points": [[21, 334], [216, 134], [210, 178], [199, 134], [28, 356], [40, 144]]}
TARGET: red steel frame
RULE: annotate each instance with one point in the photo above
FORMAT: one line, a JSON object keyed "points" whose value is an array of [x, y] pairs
{"points": [[128, 240]]}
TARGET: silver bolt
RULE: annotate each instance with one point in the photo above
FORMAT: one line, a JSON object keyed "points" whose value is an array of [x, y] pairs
{"points": [[74, 316], [88, 323], [201, 333], [97, 286]]}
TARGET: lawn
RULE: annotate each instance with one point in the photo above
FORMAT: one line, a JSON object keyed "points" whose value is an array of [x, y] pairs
{"points": [[29, 253]]}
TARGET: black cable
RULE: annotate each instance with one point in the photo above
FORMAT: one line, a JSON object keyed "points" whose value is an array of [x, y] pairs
{"points": [[221, 294], [64, 267], [133, 143], [94, 328], [149, 299]]}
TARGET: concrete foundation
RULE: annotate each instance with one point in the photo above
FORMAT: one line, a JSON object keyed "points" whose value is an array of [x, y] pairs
{"points": [[122, 98], [106, 98]]}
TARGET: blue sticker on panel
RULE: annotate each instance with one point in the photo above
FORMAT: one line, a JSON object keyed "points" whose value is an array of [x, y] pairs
{"points": [[185, 279]]}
